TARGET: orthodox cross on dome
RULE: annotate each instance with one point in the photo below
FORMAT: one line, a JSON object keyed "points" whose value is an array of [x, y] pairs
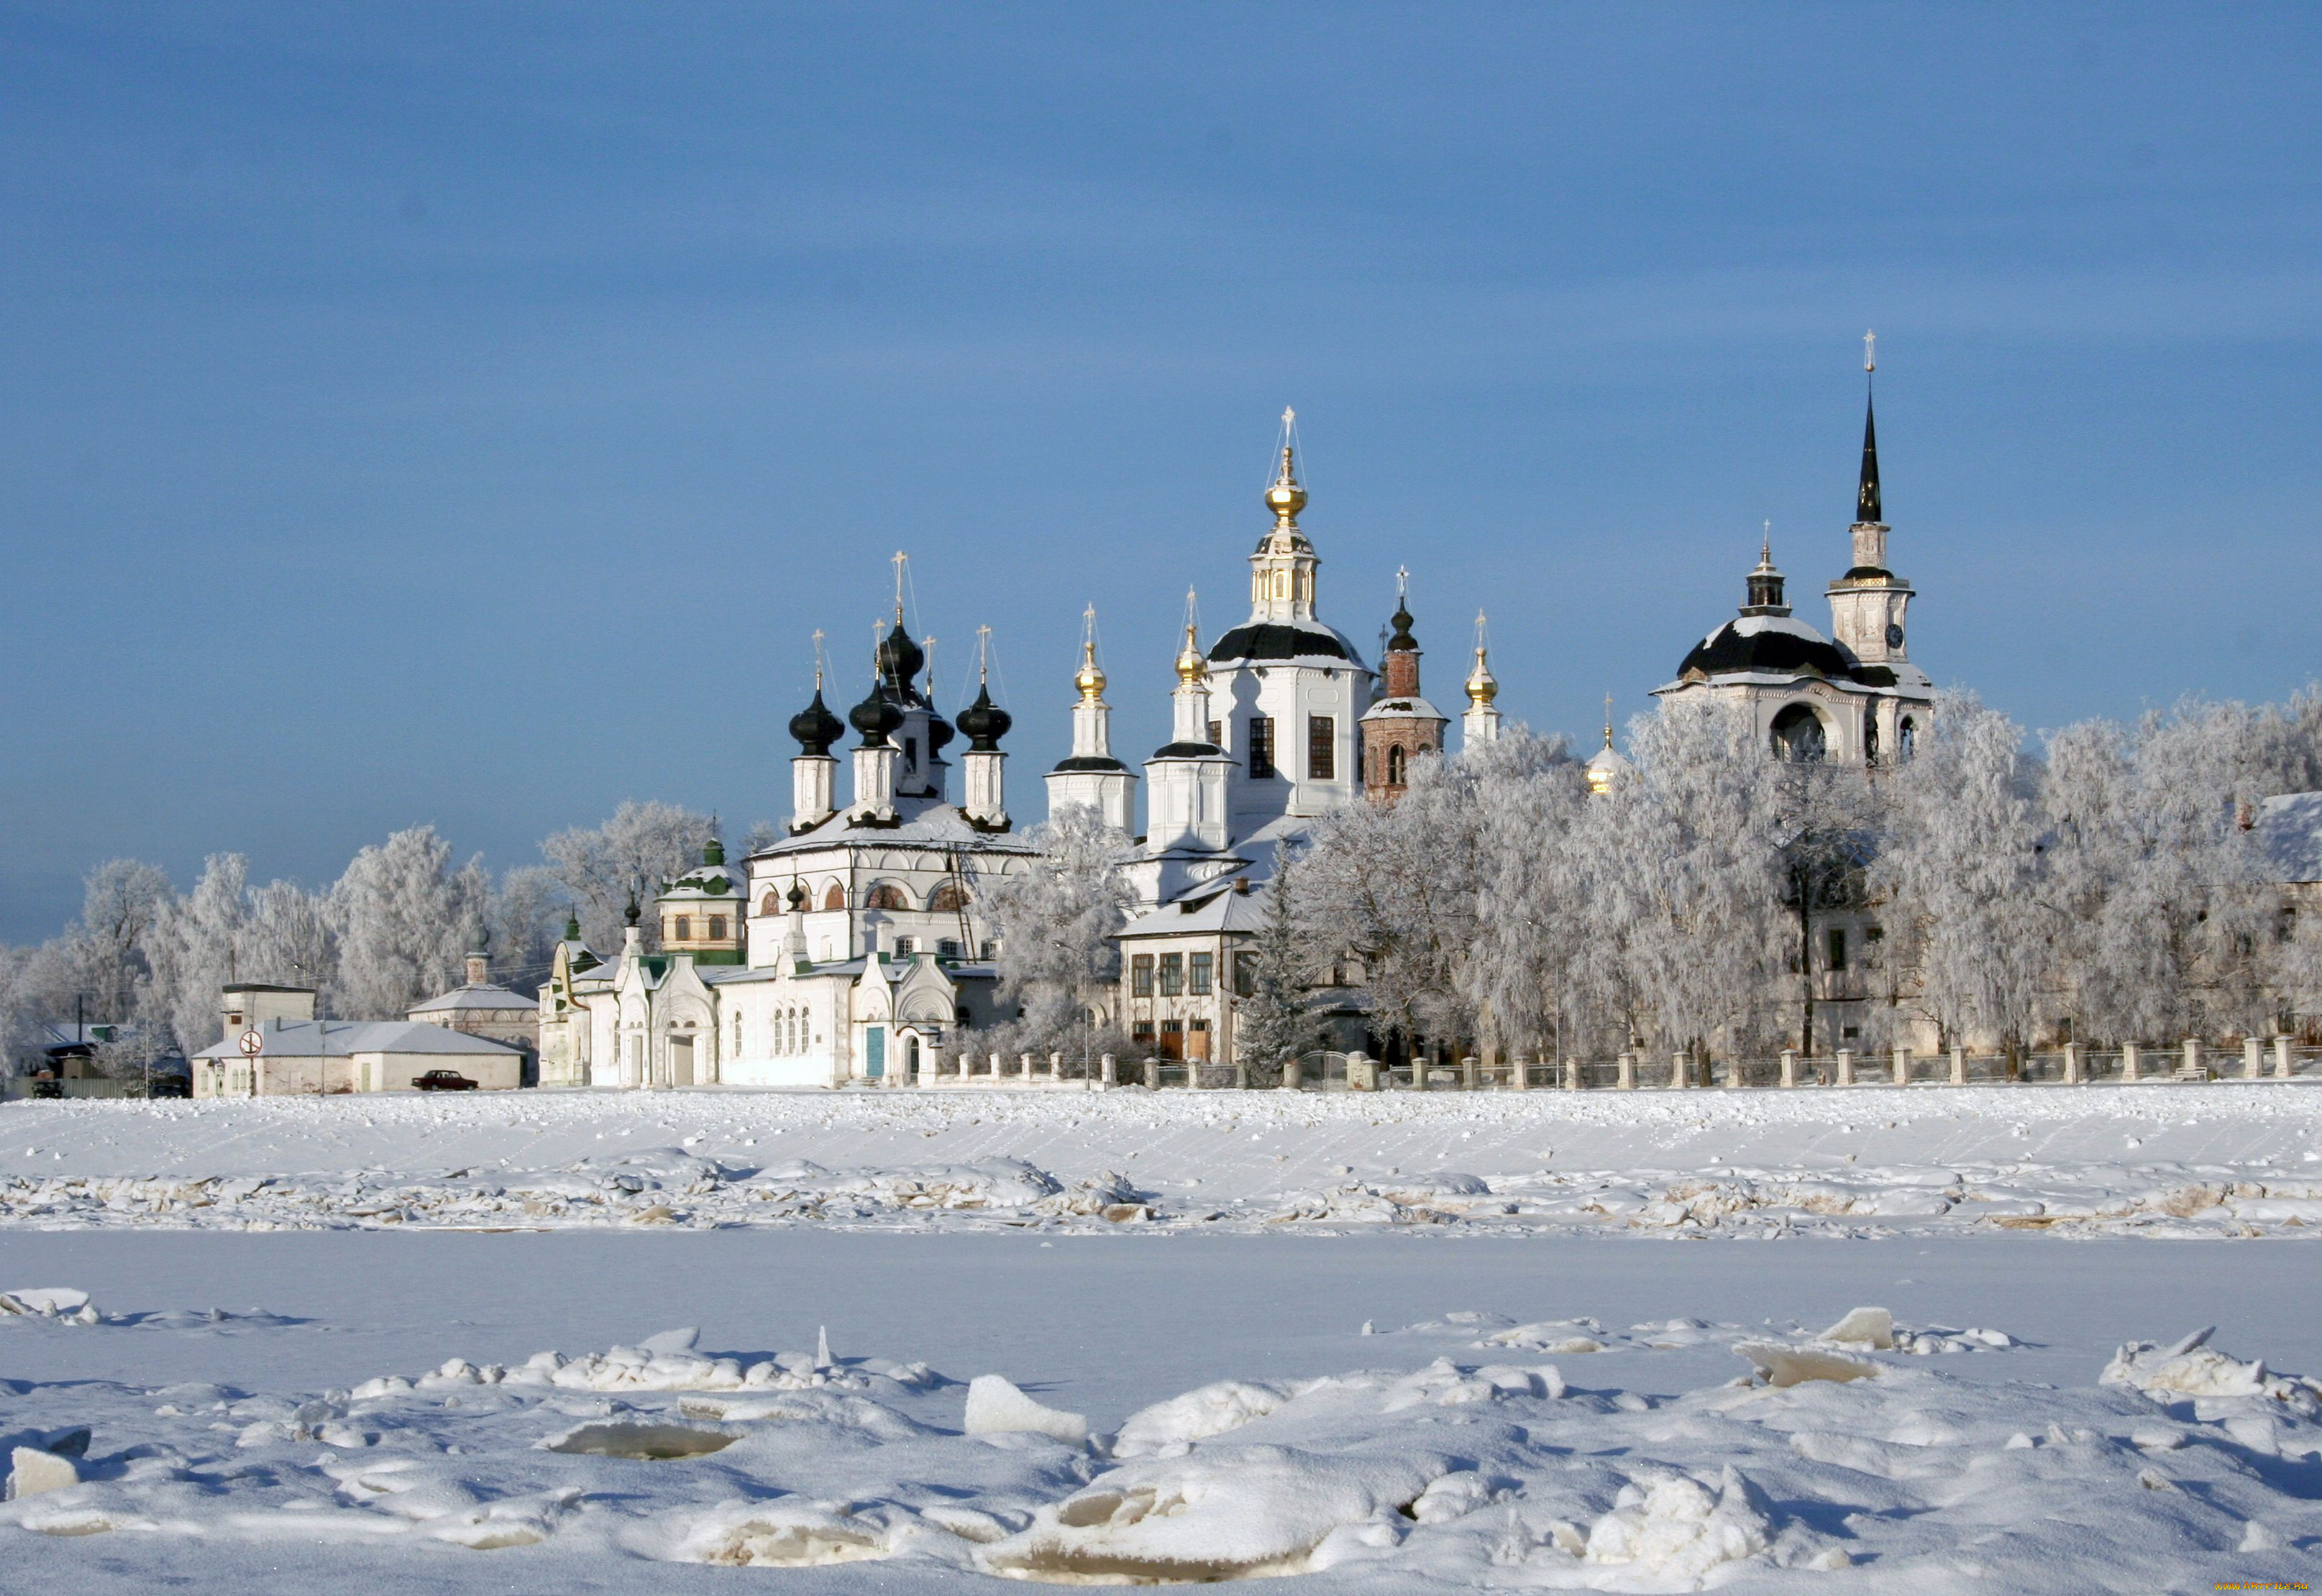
{"points": [[982, 654], [1869, 352], [899, 560], [1608, 720], [818, 659], [1090, 678], [928, 645], [1402, 585]]}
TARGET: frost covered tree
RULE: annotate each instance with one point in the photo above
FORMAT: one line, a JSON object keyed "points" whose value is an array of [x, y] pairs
{"points": [[192, 952], [527, 917], [121, 900], [1274, 1023], [639, 848], [1689, 870], [2170, 911], [1054, 922], [1525, 970], [405, 919], [1962, 870], [1394, 891]]}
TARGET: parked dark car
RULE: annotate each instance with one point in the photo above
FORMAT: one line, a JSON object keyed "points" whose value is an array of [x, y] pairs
{"points": [[444, 1080]]}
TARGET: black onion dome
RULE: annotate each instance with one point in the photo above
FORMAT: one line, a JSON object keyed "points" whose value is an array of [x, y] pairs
{"points": [[1779, 651], [939, 732], [899, 658], [985, 723], [875, 717], [797, 899], [1403, 641], [815, 728], [1283, 640]]}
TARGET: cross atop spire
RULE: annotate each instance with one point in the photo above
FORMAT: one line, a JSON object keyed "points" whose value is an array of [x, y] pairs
{"points": [[1868, 511], [899, 560], [982, 654], [818, 659], [1608, 720]]}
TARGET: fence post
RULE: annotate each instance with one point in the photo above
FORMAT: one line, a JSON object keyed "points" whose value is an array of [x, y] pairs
{"points": [[1790, 1067], [2073, 1075], [1959, 1066], [1152, 1073], [1846, 1066], [2128, 1061], [2281, 1058], [2193, 1065], [1572, 1074], [1902, 1066], [1241, 1075], [1468, 1074], [1289, 1074], [1678, 1073], [1628, 1078], [1733, 1072], [1108, 1072], [1359, 1075], [1418, 1070], [1520, 1072], [1056, 1066], [2252, 1066]]}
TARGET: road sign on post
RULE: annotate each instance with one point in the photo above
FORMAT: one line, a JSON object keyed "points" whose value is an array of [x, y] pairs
{"points": [[252, 1043]]}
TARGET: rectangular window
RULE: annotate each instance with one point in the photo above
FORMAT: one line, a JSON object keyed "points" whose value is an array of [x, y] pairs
{"points": [[905, 947], [946, 947], [1173, 975], [1837, 948], [684, 928], [1141, 1033], [1321, 748], [1245, 974], [1261, 747], [718, 928], [1141, 976], [1217, 734], [1201, 975]]}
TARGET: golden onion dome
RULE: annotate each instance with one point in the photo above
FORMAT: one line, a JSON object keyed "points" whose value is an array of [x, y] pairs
{"points": [[1483, 687], [1191, 667], [1089, 678], [1285, 498]]}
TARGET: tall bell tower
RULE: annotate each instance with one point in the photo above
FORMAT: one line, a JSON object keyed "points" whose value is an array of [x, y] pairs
{"points": [[1868, 604]]}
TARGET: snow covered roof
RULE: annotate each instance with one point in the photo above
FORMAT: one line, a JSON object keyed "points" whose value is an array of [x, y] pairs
{"points": [[1274, 640], [1412, 708], [922, 820], [1210, 910], [474, 1000], [2290, 831], [341, 1038]]}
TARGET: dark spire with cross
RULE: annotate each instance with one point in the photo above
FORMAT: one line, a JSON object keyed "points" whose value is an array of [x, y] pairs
{"points": [[1867, 508]]}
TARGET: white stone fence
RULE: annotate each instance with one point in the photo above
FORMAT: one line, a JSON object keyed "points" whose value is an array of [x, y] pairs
{"points": [[2252, 1058]]}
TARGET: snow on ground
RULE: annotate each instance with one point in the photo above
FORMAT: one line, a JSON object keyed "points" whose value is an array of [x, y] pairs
{"points": [[2158, 1160], [1472, 1452]]}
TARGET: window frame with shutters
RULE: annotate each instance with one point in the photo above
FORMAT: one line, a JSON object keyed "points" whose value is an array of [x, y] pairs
{"points": [[1172, 981], [1262, 767], [1321, 748], [1140, 975], [1197, 974]]}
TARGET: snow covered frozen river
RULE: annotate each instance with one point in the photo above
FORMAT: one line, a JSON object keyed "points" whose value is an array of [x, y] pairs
{"points": [[1271, 1369]]}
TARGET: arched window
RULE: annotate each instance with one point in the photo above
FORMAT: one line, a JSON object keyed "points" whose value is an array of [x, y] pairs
{"points": [[948, 899], [836, 897], [1797, 734], [1394, 766], [1908, 736], [886, 895], [684, 932], [1870, 736], [771, 903]]}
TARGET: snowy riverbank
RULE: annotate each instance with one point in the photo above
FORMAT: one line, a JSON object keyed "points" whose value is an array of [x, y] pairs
{"points": [[2227, 1160]]}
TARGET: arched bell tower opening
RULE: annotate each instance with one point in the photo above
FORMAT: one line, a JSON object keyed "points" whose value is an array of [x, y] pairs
{"points": [[1799, 735]]}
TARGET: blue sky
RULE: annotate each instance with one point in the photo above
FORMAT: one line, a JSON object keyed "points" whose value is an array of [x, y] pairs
{"points": [[465, 414]]}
